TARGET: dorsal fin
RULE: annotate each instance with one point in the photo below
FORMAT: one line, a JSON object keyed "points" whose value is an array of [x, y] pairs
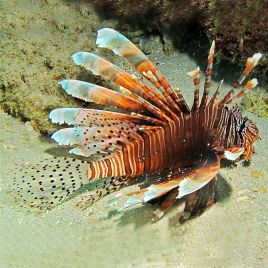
{"points": [[123, 47], [248, 86], [196, 79], [208, 75], [216, 94], [250, 64], [101, 95], [99, 66]]}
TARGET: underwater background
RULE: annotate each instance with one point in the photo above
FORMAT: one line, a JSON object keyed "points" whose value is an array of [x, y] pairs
{"points": [[37, 39]]}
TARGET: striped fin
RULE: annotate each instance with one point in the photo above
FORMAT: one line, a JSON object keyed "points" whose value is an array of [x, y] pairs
{"points": [[142, 153], [101, 95], [97, 139], [216, 94], [90, 142], [250, 64], [152, 192], [208, 75], [95, 150], [123, 47], [118, 147], [205, 171], [77, 135], [196, 79], [113, 166], [107, 70], [248, 86], [164, 205], [197, 201], [89, 117]]}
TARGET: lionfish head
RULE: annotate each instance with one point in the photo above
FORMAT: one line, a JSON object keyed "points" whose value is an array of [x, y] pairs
{"points": [[250, 134], [247, 132]]}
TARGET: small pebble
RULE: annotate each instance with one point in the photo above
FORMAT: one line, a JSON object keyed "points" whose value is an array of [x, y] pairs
{"points": [[9, 146], [242, 198], [29, 126], [243, 192], [262, 190], [256, 174]]}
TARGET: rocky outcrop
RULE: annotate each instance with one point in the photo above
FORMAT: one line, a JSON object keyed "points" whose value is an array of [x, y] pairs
{"points": [[38, 38], [239, 27]]}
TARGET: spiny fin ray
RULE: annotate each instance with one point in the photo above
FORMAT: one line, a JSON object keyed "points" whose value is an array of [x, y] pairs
{"points": [[123, 47], [87, 117], [250, 65], [101, 95]]}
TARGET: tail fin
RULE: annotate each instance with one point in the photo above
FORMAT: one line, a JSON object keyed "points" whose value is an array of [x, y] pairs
{"points": [[48, 183]]}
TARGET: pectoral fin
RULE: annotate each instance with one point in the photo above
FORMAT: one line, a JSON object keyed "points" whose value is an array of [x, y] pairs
{"points": [[197, 178]]}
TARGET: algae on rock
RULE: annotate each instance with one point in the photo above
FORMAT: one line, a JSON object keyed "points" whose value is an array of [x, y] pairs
{"points": [[37, 41], [257, 103], [39, 37]]}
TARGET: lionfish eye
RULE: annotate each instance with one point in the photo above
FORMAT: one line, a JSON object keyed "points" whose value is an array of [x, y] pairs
{"points": [[244, 124]]}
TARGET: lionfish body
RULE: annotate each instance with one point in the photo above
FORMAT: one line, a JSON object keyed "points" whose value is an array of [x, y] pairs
{"points": [[156, 132]]}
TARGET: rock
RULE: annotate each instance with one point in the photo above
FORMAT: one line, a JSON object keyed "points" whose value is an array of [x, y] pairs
{"points": [[240, 29], [38, 55], [37, 58]]}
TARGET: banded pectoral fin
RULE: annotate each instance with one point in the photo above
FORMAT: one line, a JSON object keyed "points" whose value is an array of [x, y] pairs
{"points": [[179, 186]]}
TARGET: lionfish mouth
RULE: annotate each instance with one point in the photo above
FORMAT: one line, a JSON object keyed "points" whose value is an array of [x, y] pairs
{"points": [[155, 134]]}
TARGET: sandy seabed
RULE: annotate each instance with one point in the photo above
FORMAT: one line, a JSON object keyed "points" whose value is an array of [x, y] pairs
{"points": [[232, 233]]}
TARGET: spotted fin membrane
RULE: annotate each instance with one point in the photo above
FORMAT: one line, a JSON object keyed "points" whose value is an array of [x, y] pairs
{"points": [[49, 182]]}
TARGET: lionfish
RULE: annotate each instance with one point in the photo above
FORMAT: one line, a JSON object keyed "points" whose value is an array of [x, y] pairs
{"points": [[153, 137]]}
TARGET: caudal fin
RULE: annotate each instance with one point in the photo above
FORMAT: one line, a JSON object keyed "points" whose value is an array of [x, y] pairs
{"points": [[48, 183]]}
